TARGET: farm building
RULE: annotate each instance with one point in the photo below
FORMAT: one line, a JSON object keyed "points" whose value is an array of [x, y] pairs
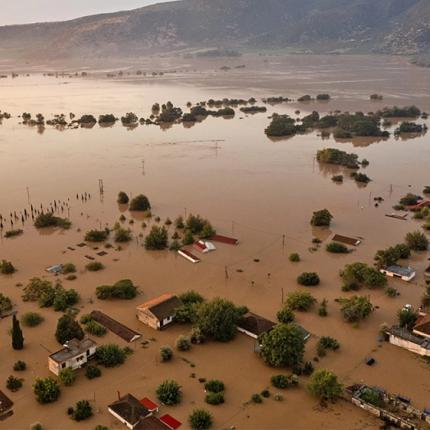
{"points": [[395, 271], [159, 312], [74, 355], [254, 325], [129, 411], [417, 340]]}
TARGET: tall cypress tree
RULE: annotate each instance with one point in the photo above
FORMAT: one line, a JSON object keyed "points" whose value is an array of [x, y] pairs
{"points": [[17, 337]]}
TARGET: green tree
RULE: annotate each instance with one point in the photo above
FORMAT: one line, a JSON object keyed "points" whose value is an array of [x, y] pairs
{"points": [[67, 376], [218, 319], [92, 372], [6, 267], [157, 238], [46, 390], [110, 355], [308, 279], [417, 241], [122, 198], [300, 301], [166, 353], [321, 218], [285, 315], [200, 419], [356, 308], [325, 386], [407, 318], [67, 329], [17, 337], [140, 203], [283, 346], [5, 304], [169, 392], [82, 410], [123, 289]]}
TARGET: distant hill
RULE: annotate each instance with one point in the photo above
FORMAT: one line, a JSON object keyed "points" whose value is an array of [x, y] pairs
{"points": [[382, 26]]}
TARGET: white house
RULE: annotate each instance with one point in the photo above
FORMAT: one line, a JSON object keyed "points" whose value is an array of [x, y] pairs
{"points": [[74, 355], [404, 273]]}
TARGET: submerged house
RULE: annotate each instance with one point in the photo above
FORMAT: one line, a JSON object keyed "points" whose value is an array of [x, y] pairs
{"points": [[254, 326], [204, 246], [140, 414], [395, 271], [417, 340], [159, 312], [74, 355], [129, 411], [6, 405]]}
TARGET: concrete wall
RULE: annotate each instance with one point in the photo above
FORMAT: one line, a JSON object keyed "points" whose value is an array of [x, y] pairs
{"points": [[410, 346]]}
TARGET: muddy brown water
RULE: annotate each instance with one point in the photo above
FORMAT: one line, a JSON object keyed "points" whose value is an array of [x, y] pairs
{"points": [[249, 186]]}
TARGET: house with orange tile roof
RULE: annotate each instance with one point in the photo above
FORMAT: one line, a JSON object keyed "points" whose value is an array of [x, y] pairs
{"points": [[159, 312]]}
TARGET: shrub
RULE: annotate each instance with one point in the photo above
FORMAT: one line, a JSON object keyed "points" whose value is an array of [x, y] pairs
{"points": [[5, 304], [68, 329], [68, 268], [67, 376], [122, 235], [31, 319], [200, 420], [6, 267], [183, 343], [94, 266], [110, 355], [122, 198], [13, 384], [96, 235], [417, 241], [308, 279], [308, 368], [280, 381], [140, 203], [13, 233], [19, 366], [214, 386], [124, 290], [37, 426], [92, 372], [324, 385], [322, 311], [285, 315], [294, 257], [94, 328], [256, 398], [214, 398], [321, 218], [157, 238], [46, 390], [409, 199], [391, 292], [45, 220], [166, 353], [326, 342], [191, 297], [337, 248], [82, 410], [300, 301], [169, 392]]}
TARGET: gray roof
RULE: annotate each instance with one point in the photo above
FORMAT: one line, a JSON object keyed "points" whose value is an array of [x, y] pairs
{"points": [[130, 409], [255, 324], [407, 335], [72, 349], [401, 271]]}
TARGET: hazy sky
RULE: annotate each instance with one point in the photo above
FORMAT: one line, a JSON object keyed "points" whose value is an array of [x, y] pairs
{"points": [[25, 11]]}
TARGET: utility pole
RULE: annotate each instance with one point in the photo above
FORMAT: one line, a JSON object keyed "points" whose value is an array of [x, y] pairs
{"points": [[226, 272]]}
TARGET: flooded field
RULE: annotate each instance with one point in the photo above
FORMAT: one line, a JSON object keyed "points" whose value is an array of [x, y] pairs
{"points": [[260, 190]]}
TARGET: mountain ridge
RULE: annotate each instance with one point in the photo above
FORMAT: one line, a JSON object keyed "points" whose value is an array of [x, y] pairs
{"points": [[317, 26]]}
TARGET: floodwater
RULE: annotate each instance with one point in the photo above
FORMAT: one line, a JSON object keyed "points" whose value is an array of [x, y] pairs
{"points": [[259, 190]]}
